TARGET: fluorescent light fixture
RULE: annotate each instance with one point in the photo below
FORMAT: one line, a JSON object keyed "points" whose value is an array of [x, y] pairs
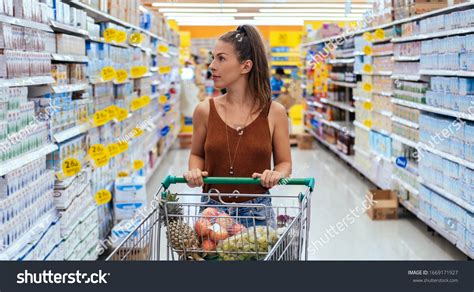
{"points": [[328, 18], [309, 10], [261, 5], [173, 14], [195, 10], [207, 22]]}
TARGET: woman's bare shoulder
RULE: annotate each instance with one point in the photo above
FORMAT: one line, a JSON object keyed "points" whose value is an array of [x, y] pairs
{"points": [[202, 109], [277, 111]]}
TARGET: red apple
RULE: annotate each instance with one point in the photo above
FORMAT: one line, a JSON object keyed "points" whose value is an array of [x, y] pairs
{"points": [[236, 229], [225, 221], [202, 227], [208, 245], [210, 213], [217, 233]]}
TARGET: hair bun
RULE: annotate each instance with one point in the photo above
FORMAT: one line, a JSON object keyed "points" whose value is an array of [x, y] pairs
{"points": [[241, 29]]}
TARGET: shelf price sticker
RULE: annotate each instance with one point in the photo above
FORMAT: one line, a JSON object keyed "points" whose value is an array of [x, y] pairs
{"points": [[145, 100], [111, 111], [102, 197], [108, 73], [96, 150], [164, 69], [122, 174], [71, 167], [138, 164], [110, 34], [136, 38], [113, 149], [379, 34], [122, 114], [123, 145], [163, 49], [122, 76], [367, 50], [368, 123], [136, 104], [163, 99], [102, 160], [367, 105], [137, 132], [367, 68], [138, 71], [367, 87], [101, 118], [121, 36], [368, 36]]}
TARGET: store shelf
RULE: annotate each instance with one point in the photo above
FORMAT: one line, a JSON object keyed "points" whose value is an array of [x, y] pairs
{"points": [[404, 141], [26, 81], [347, 158], [61, 27], [433, 109], [434, 35], [384, 40], [159, 160], [341, 61], [343, 84], [70, 133], [69, 58], [413, 94], [384, 113], [405, 185], [341, 126], [406, 58], [384, 93], [407, 77], [459, 73], [314, 103], [24, 159], [382, 54], [338, 104], [448, 195], [405, 122], [25, 23], [448, 156], [361, 126], [359, 98], [70, 87]]}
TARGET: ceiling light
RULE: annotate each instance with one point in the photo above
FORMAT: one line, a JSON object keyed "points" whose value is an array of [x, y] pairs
{"points": [[197, 10], [326, 18], [309, 10], [207, 22], [263, 5], [171, 15]]}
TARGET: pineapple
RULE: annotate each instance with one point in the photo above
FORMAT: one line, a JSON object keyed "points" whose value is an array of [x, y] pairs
{"points": [[180, 235]]}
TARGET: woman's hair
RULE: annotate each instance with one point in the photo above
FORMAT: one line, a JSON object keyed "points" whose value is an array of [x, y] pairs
{"points": [[248, 44]]}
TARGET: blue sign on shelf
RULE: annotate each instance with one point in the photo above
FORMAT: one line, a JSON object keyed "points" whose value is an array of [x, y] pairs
{"points": [[402, 162], [165, 131], [167, 108]]}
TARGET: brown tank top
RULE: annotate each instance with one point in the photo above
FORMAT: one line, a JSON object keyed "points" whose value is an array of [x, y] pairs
{"points": [[254, 153]]}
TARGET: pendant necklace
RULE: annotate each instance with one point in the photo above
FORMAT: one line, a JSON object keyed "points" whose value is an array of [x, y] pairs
{"points": [[240, 133]]}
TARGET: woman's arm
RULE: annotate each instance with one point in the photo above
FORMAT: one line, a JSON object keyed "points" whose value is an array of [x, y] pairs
{"points": [[281, 148], [195, 171]]}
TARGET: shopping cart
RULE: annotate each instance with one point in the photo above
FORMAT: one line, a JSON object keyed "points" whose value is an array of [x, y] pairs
{"points": [[260, 240]]}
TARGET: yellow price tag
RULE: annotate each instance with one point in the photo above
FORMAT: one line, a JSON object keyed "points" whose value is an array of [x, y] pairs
{"points": [[110, 34], [164, 69], [122, 174], [122, 76], [368, 36], [368, 50], [137, 132], [138, 71], [101, 118], [102, 160], [367, 105], [113, 149], [121, 36], [367, 68], [71, 167], [138, 164], [112, 111], [96, 150], [102, 197], [145, 100], [108, 73], [367, 87], [123, 146], [122, 114], [136, 104], [163, 99], [379, 34], [136, 38], [163, 49], [368, 123]]}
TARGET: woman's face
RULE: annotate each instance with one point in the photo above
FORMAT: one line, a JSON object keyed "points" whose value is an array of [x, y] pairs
{"points": [[225, 66]]}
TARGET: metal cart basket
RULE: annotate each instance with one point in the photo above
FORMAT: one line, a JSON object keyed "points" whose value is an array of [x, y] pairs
{"points": [[276, 231]]}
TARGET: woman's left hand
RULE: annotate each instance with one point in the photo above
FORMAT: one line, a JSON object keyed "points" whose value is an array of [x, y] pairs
{"points": [[269, 178]]}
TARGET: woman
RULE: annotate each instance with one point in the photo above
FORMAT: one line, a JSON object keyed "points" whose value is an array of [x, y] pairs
{"points": [[235, 134]]}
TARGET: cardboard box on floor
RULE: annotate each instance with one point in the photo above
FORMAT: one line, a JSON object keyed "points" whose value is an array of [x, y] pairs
{"points": [[385, 204]]}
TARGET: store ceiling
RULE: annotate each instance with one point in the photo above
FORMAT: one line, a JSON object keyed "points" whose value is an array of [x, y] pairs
{"points": [[232, 12]]}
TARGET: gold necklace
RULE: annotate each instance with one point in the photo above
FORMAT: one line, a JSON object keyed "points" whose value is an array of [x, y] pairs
{"points": [[241, 133]]}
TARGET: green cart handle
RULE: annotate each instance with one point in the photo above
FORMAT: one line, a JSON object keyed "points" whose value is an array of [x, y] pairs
{"points": [[309, 182]]}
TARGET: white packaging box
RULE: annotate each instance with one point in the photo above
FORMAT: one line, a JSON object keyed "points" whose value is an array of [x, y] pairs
{"points": [[129, 210], [130, 189], [122, 229], [66, 13]]}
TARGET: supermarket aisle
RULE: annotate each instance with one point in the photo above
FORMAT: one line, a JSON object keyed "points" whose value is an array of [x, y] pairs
{"points": [[338, 191]]}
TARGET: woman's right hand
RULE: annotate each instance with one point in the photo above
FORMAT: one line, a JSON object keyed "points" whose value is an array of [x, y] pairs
{"points": [[194, 177]]}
